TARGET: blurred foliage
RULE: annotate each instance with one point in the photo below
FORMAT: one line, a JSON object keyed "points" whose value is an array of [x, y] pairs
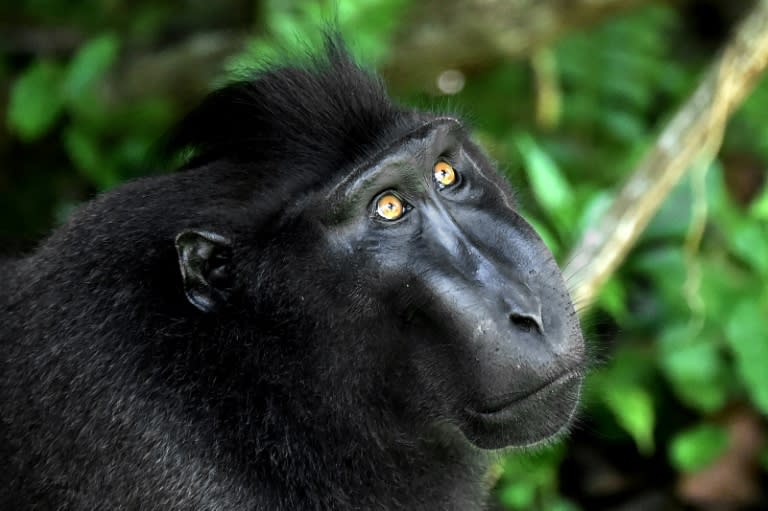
{"points": [[292, 28], [695, 448], [680, 333]]}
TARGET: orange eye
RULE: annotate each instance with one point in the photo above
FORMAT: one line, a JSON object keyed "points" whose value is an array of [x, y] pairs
{"points": [[389, 207], [444, 174]]}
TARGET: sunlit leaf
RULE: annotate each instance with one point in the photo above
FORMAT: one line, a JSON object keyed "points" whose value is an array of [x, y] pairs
{"points": [[633, 408], [750, 241], [759, 208], [724, 283], [35, 101], [613, 298], [549, 186], [527, 477], [90, 62], [747, 335], [696, 448], [518, 496]]}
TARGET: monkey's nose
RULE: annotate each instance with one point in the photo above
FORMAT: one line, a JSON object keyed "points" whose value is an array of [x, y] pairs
{"points": [[526, 322], [526, 318]]}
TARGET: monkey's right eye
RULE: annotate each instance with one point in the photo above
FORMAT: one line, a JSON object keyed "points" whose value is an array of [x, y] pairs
{"points": [[390, 207], [444, 173]]}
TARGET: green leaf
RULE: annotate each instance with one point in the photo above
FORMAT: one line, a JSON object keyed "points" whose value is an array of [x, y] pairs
{"points": [[518, 495], [594, 208], [666, 267], [35, 100], [623, 125], [90, 63], [724, 284], [549, 186], [759, 208], [696, 448], [292, 26], [750, 241], [747, 334], [613, 298], [694, 367], [528, 477], [633, 407]]}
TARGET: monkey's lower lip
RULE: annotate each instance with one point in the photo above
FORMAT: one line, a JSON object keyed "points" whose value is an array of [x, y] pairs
{"points": [[498, 409]]}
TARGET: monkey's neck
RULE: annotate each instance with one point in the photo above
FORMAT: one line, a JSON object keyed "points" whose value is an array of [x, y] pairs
{"points": [[337, 473]]}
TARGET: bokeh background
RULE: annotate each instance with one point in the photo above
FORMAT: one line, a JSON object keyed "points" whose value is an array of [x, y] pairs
{"points": [[675, 409]]}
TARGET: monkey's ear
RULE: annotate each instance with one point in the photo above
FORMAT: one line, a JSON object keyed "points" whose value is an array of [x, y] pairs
{"points": [[204, 260]]}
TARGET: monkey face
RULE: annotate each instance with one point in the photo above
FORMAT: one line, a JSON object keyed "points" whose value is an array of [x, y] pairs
{"points": [[428, 232]]}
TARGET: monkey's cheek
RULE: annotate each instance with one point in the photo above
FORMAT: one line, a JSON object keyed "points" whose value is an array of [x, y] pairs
{"points": [[533, 420]]}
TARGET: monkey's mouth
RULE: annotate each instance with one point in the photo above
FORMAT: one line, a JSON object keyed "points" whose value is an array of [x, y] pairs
{"points": [[525, 418], [501, 409]]}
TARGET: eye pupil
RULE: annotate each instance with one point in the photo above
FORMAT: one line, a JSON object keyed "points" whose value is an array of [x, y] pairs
{"points": [[444, 173]]}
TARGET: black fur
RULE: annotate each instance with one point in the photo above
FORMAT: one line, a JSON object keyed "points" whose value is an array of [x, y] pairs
{"points": [[298, 393]]}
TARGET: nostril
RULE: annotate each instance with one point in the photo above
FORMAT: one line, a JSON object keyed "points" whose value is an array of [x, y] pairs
{"points": [[525, 322]]}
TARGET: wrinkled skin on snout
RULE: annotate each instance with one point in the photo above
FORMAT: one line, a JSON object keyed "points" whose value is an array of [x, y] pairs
{"points": [[487, 332]]}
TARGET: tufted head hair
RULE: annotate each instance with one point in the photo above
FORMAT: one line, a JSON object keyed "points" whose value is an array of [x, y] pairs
{"points": [[324, 109]]}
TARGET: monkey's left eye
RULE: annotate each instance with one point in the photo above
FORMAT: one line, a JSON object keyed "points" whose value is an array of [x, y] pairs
{"points": [[390, 207], [444, 173]]}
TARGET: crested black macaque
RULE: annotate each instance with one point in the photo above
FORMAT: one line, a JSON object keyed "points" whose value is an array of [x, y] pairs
{"points": [[333, 305]]}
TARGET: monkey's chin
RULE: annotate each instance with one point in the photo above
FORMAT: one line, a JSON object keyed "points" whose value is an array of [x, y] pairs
{"points": [[534, 419]]}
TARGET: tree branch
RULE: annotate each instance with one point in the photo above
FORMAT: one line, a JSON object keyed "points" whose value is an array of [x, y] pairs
{"points": [[694, 135]]}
